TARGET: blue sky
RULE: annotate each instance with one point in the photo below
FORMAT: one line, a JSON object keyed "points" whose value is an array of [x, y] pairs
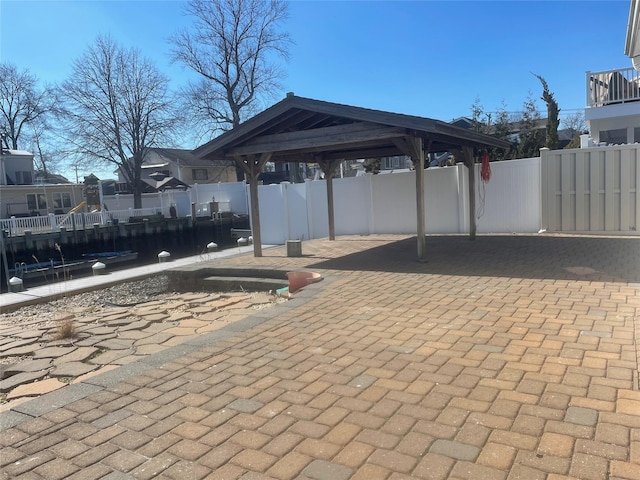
{"points": [[426, 58]]}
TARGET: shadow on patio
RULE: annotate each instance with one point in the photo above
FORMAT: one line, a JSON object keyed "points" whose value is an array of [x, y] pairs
{"points": [[611, 259]]}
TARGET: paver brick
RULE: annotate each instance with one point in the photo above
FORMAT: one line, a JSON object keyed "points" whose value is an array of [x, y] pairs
{"points": [[186, 469], [434, 467], [523, 472], [318, 448], [289, 466], [393, 461], [612, 433], [545, 463], [123, 460], [354, 454], [323, 470], [625, 470], [92, 472], [254, 460], [189, 449], [472, 471], [473, 434], [498, 456], [283, 444], [581, 416], [342, 433], [414, 444], [94, 455], [571, 429], [159, 444], [456, 450], [599, 449], [250, 439], [56, 469], [153, 467], [219, 456], [556, 445], [371, 472], [589, 467], [528, 425], [378, 439]]}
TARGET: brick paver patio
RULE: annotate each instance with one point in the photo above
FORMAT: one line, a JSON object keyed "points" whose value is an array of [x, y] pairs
{"points": [[511, 357]]}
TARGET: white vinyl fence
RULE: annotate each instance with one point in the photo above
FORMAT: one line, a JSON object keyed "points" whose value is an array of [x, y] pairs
{"points": [[509, 202], [592, 189], [583, 190]]}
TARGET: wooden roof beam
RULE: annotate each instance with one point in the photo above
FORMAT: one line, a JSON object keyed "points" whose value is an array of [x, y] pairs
{"points": [[326, 137]]}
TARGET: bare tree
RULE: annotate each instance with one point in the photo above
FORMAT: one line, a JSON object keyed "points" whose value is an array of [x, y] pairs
{"points": [[575, 123], [47, 158], [21, 102], [117, 105], [233, 47]]}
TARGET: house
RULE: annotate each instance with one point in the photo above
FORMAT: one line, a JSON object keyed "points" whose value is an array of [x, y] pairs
{"points": [[613, 96], [181, 165], [19, 197], [16, 167], [41, 177]]}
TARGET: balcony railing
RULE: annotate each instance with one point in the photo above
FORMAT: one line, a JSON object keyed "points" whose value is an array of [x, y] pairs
{"points": [[73, 221], [613, 87]]}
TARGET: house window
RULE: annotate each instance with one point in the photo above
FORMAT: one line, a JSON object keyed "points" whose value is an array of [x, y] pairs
{"points": [[392, 163], [636, 135], [199, 174], [61, 200], [614, 137], [23, 178], [36, 201]]}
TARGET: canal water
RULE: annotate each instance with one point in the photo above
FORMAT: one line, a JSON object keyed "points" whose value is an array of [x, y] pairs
{"points": [[192, 241]]}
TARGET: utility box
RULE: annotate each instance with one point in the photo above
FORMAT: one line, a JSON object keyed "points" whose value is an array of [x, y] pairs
{"points": [[294, 248]]}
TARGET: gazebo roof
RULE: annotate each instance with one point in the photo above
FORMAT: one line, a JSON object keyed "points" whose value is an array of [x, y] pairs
{"points": [[298, 129]]}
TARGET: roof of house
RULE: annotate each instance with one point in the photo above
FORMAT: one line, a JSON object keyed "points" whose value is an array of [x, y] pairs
{"points": [[23, 153], [166, 183], [51, 178], [299, 129], [632, 44], [186, 158]]}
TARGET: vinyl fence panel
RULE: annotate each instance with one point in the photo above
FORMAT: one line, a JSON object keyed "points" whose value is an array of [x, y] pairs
{"points": [[591, 190]]}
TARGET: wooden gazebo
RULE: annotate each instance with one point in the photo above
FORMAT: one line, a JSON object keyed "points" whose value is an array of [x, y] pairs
{"points": [[300, 129]]}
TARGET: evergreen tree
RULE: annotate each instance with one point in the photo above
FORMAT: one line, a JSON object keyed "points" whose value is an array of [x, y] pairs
{"points": [[531, 137], [502, 130], [553, 112]]}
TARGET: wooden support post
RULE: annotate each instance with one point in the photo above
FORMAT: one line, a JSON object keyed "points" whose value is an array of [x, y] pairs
{"points": [[414, 147], [328, 168], [252, 166], [418, 160], [255, 216], [330, 212]]}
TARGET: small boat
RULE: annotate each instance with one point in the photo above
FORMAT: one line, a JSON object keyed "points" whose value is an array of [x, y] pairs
{"points": [[114, 257], [59, 270]]}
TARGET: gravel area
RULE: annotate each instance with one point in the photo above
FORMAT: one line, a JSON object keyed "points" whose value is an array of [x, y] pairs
{"points": [[44, 315]]}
